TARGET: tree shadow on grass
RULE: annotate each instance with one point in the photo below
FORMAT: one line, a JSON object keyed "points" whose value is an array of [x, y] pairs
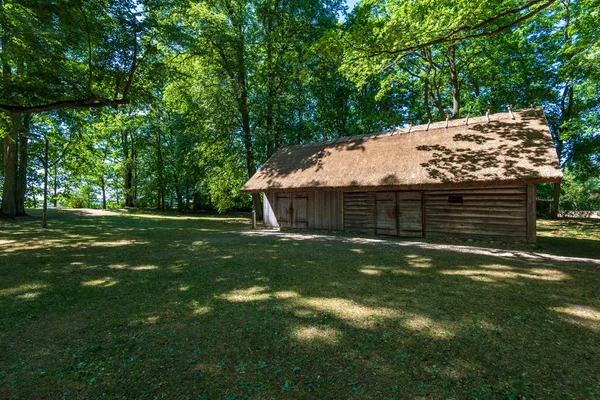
{"points": [[196, 307]]}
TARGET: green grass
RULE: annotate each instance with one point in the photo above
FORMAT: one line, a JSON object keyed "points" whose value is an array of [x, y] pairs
{"points": [[143, 305]]}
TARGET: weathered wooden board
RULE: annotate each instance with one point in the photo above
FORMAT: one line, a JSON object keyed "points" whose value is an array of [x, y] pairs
{"points": [[386, 211], [300, 210], [325, 210], [486, 213], [359, 212], [284, 203], [410, 214], [531, 217], [503, 214]]}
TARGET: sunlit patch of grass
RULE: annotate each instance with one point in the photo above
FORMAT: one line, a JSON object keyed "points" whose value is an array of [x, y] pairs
{"points": [[575, 237], [286, 294], [353, 313], [26, 287], [310, 334], [198, 309], [116, 243], [585, 316], [104, 282], [144, 268], [569, 228], [370, 271], [483, 274], [418, 261], [255, 293], [28, 295], [428, 326]]}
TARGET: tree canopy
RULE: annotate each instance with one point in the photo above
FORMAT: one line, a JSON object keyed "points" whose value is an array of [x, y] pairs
{"points": [[174, 104]]}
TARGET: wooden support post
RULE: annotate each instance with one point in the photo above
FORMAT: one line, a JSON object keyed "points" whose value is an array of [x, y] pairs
{"points": [[531, 217], [253, 219]]}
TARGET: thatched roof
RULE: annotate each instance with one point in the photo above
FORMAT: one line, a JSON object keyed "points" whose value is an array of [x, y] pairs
{"points": [[502, 151]]}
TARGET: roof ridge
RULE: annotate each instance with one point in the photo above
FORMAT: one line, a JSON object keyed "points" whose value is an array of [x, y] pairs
{"points": [[431, 126]]}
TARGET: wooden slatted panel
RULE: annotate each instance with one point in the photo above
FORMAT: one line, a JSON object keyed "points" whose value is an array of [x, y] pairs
{"points": [[359, 212], [386, 213], [531, 218], [284, 201], [300, 210], [486, 213], [325, 210], [410, 215]]}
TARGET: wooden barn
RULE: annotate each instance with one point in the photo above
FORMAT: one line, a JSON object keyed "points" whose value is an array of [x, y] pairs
{"points": [[470, 178]]}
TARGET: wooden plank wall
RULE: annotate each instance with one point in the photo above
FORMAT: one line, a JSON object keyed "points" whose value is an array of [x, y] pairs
{"points": [[359, 212], [531, 213], [410, 214], [498, 213], [325, 210]]}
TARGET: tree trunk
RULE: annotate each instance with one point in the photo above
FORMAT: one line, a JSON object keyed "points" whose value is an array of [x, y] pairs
{"points": [[178, 193], [187, 197], [45, 206], [55, 186], [161, 180], [103, 185], [272, 143], [426, 98], [454, 81], [247, 134], [195, 206], [9, 192], [566, 107], [128, 174], [22, 170], [134, 174]]}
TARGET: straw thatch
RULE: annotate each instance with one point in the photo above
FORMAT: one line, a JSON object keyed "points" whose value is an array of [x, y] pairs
{"points": [[499, 152]]}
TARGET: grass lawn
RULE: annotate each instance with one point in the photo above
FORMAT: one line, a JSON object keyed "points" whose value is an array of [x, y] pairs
{"points": [[143, 305]]}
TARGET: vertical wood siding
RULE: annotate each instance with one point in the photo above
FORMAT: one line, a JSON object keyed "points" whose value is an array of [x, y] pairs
{"points": [[312, 210], [325, 210], [410, 214], [498, 213]]}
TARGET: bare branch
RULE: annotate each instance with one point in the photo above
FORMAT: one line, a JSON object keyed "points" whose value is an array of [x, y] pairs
{"points": [[91, 102]]}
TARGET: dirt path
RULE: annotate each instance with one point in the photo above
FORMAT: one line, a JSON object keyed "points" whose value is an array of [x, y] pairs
{"points": [[417, 244]]}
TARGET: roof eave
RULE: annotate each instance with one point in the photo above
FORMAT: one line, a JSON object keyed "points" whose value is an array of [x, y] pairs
{"points": [[428, 186]]}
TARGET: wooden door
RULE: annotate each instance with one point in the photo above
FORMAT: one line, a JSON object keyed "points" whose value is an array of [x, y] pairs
{"points": [[284, 205], [300, 210], [386, 219], [410, 214]]}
